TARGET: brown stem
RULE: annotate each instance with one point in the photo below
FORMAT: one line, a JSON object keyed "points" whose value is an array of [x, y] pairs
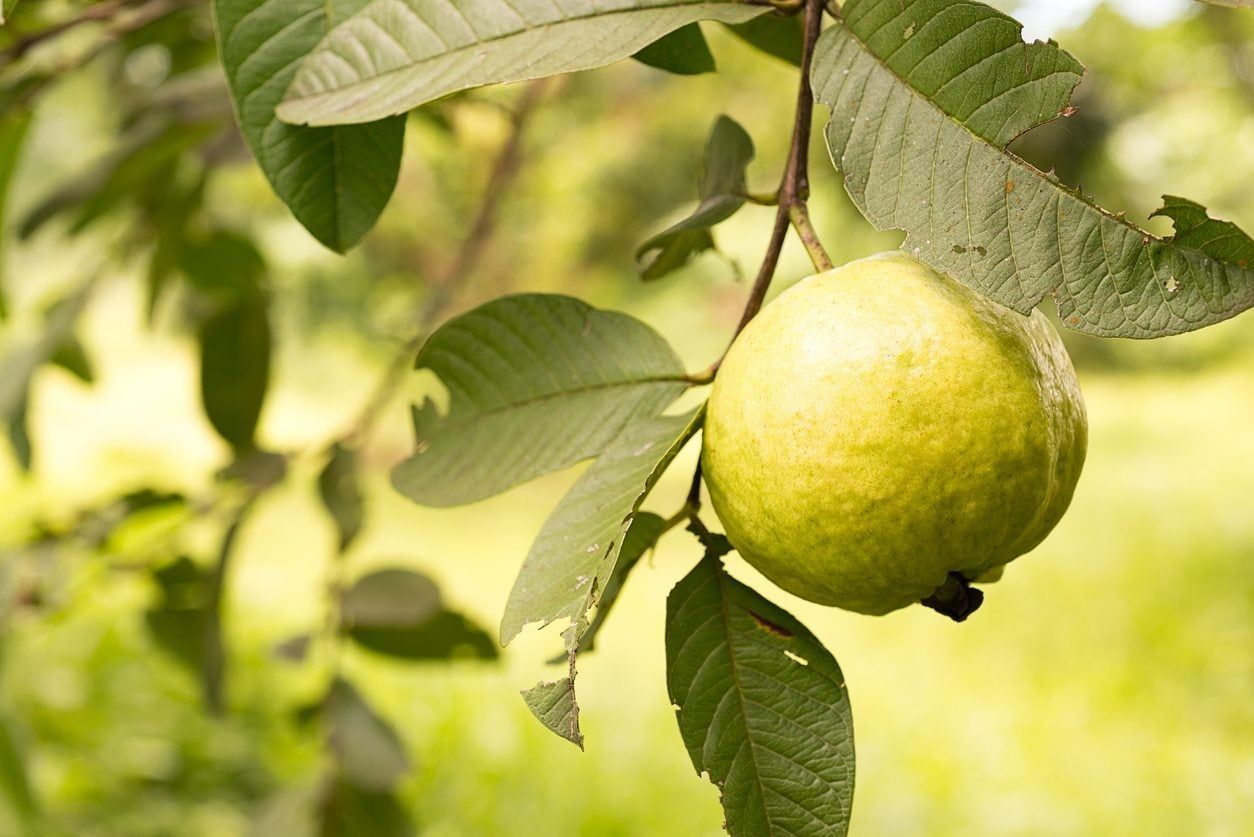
{"points": [[794, 187]]}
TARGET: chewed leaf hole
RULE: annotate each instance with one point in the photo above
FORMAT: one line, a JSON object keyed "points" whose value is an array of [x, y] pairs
{"points": [[796, 658]]}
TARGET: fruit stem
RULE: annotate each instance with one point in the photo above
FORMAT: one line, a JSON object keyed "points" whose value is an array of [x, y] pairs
{"points": [[799, 214], [794, 187], [956, 598]]}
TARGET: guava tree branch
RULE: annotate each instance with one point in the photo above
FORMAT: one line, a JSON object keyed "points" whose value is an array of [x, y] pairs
{"points": [[794, 188], [791, 209]]}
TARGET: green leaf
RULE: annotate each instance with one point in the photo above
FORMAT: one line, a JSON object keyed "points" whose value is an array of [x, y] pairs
{"points": [[349, 811], [641, 537], [335, 181], [553, 704], [341, 494], [575, 553], [19, 365], [13, 128], [235, 341], [683, 52], [6, 9], [536, 383], [15, 786], [924, 96], [72, 357], [143, 162], [369, 753], [399, 613], [179, 620], [722, 188], [395, 55], [775, 34], [762, 708]]}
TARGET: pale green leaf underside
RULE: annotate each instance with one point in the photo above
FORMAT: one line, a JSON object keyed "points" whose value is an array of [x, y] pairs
{"points": [[398, 54], [554, 705], [722, 189], [575, 553], [536, 383], [924, 95], [336, 181], [762, 708]]}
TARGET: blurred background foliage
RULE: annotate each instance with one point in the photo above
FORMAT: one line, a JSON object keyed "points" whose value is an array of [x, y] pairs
{"points": [[1104, 687]]}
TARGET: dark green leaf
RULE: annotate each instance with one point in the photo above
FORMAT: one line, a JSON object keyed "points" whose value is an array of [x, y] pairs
{"points": [[369, 753], [447, 635], [72, 357], [349, 811], [762, 708], [777, 35], [683, 52], [341, 495], [13, 128], [179, 620], [398, 54], [399, 613], [921, 142], [390, 598], [536, 382], [235, 367], [721, 190], [335, 181]]}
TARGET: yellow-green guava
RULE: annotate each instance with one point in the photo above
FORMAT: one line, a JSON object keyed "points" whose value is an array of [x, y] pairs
{"points": [[880, 433]]}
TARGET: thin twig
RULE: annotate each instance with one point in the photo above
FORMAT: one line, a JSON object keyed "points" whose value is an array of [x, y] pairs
{"points": [[794, 189]]}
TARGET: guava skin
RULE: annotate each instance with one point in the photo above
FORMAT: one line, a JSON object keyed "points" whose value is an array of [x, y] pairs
{"points": [[880, 425]]}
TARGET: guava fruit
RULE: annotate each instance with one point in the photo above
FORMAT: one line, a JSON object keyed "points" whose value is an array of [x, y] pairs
{"points": [[882, 435]]}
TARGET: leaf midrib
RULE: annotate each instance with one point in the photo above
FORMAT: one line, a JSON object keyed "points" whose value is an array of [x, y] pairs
{"points": [[480, 43], [453, 416], [720, 577]]}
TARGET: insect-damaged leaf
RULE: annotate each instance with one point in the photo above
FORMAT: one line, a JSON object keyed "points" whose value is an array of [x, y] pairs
{"points": [[536, 383], [762, 707], [924, 97], [575, 556]]}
